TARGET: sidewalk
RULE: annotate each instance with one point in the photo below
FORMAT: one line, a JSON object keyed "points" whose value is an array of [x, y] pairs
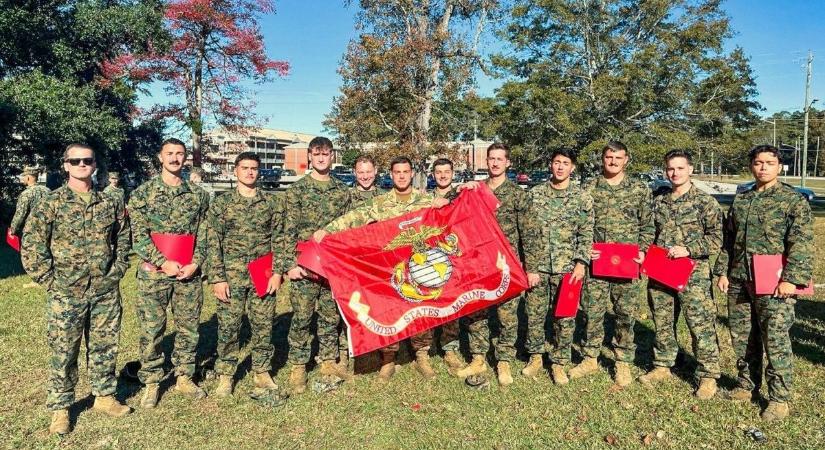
{"points": [[715, 187]]}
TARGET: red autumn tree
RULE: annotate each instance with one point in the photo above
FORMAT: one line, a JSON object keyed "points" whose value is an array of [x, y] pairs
{"points": [[212, 47]]}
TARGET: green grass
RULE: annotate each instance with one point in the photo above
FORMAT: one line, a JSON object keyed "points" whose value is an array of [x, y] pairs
{"points": [[408, 412]]}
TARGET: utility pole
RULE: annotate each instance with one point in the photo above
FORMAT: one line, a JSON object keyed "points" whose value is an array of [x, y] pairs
{"points": [[807, 111]]}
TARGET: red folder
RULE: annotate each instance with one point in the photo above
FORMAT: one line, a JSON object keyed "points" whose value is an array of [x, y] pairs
{"points": [[616, 260], [175, 247], [569, 295], [260, 271], [767, 271], [13, 241], [309, 256], [671, 272]]}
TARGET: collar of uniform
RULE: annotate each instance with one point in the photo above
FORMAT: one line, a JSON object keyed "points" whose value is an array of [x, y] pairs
{"points": [[602, 182], [414, 196], [68, 195], [322, 185], [506, 184], [692, 192], [570, 189], [773, 190], [254, 199], [184, 187]]}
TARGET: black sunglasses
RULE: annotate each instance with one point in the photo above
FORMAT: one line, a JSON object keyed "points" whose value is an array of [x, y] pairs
{"points": [[77, 161]]}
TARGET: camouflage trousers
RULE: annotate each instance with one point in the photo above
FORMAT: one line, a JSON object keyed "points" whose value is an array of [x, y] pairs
{"points": [[539, 300], [597, 296], [261, 314], [700, 314], [761, 324], [68, 319], [420, 341], [154, 297], [478, 328], [449, 335], [308, 298]]}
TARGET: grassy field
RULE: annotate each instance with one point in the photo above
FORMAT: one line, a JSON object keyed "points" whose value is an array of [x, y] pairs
{"points": [[408, 412]]}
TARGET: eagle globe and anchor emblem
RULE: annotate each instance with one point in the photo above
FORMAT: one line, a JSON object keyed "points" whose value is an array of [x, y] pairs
{"points": [[423, 276]]}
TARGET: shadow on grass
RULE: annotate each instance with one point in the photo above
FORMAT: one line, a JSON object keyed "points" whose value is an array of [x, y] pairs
{"points": [[808, 332], [10, 265]]}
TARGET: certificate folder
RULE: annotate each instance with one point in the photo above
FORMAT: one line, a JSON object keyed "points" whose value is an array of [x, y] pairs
{"points": [[260, 271], [13, 241], [175, 247], [616, 260], [569, 295], [767, 271], [671, 272]]}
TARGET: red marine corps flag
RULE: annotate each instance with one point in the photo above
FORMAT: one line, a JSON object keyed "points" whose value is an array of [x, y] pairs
{"points": [[396, 278]]}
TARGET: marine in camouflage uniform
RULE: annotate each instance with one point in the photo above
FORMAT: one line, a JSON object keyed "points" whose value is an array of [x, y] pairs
{"points": [[622, 215], [450, 331], [27, 201], [775, 221], [76, 247], [156, 207], [240, 230], [559, 234], [114, 190], [694, 221]]}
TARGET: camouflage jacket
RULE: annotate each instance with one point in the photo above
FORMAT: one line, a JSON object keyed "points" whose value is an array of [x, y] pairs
{"points": [[559, 231], [25, 205], [775, 221], [120, 193], [241, 229], [512, 212], [309, 205], [72, 246], [380, 208], [693, 221], [449, 195], [359, 197], [156, 207], [622, 212]]}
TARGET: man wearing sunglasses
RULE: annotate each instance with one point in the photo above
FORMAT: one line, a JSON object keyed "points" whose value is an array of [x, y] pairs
{"points": [[167, 204], [76, 247]]}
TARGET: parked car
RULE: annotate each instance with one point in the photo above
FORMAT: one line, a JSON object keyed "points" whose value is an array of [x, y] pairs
{"points": [[346, 178], [430, 182], [386, 181], [269, 179], [481, 174], [288, 173], [659, 186], [539, 177], [807, 193], [523, 178]]}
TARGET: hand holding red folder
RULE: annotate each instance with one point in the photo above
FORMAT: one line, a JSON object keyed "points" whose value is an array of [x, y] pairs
{"points": [[309, 256], [569, 294], [13, 241], [260, 271], [617, 260], [671, 272], [767, 272], [175, 247]]}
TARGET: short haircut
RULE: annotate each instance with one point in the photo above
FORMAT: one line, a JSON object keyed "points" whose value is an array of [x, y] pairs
{"points": [[442, 162], [172, 141], [400, 160], [615, 146], [363, 159], [499, 146], [77, 145], [679, 154], [763, 148], [320, 141], [197, 171], [566, 152], [247, 156]]}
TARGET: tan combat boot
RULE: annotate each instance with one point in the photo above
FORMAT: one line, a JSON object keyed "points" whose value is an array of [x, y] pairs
{"points": [[387, 367], [505, 378], [60, 422], [476, 367], [108, 405], [263, 380], [707, 388], [343, 361], [739, 394], [534, 366], [150, 395], [224, 388], [186, 386], [657, 374], [775, 411], [298, 378], [422, 364], [332, 368], [559, 376], [454, 362], [587, 367], [623, 377]]}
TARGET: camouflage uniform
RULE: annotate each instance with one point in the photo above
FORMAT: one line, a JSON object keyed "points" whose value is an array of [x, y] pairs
{"points": [[309, 205], [78, 252], [241, 229], [449, 331], [510, 215], [775, 221], [117, 192], [380, 208], [559, 234], [156, 207], [25, 205], [693, 221], [622, 214]]}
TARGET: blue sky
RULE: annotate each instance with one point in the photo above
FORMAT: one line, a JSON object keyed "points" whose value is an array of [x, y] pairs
{"points": [[313, 35]]}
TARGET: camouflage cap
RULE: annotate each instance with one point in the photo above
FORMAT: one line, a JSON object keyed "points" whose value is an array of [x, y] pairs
{"points": [[31, 170]]}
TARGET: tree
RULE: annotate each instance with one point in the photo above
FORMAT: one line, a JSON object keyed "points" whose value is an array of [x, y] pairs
{"points": [[589, 71], [411, 58], [215, 46]]}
